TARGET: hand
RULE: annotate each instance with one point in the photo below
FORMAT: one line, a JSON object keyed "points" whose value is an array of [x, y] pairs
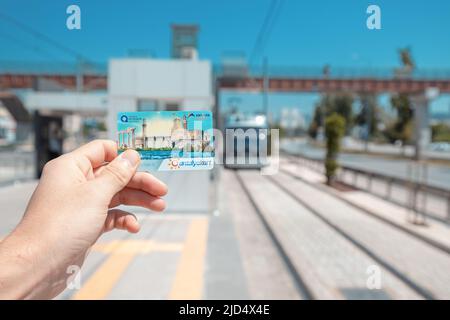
{"points": [[69, 210]]}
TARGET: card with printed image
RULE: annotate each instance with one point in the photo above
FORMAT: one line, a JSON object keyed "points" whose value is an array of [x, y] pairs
{"points": [[168, 140]]}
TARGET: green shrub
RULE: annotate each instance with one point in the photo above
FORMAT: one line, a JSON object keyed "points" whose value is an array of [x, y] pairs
{"points": [[440, 132], [334, 130]]}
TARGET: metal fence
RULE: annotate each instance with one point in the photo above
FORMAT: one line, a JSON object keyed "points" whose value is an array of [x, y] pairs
{"points": [[16, 165], [414, 193]]}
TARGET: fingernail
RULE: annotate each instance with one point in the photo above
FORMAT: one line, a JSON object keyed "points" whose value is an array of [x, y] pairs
{"points": [[135, 225], [130, 157]]}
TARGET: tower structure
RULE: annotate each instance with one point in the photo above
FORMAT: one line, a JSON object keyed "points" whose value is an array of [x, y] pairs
{"points": [[184, 41]]}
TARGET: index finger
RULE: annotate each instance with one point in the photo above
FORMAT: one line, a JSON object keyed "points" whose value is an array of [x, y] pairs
{"points": [[148, 183]]}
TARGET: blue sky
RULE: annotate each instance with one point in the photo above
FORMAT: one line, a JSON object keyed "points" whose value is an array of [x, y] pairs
{"points": [[306, 33]]}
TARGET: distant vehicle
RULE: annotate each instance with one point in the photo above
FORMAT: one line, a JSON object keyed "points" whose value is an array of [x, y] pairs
{"points": [[440, 146], [246, 141]]}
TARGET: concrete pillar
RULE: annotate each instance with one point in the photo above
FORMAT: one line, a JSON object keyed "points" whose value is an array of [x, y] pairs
{"points": [[422, 131]]}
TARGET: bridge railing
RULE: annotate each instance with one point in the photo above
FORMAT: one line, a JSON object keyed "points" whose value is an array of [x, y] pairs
{"points": [[51, 68], [334, 72], [305, 72]]}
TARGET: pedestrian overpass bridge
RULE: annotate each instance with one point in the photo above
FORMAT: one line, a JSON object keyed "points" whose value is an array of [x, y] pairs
{"points": [[421, 85], [284, 79]]}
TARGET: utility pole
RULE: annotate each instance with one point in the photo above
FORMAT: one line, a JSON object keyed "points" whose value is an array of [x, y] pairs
{"points": [[265, 87], [368, 110], [79, 76]]}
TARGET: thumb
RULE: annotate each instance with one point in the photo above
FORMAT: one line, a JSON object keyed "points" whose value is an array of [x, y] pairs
{"points": [[115, 176]]}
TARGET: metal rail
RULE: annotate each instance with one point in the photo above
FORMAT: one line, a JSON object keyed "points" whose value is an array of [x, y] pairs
{"points": [[413, 285], [414, 188], [301, 286]]}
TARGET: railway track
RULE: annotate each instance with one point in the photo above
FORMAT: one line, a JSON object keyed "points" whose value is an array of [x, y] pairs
{"points": [[427, 240], [303, 283], [302, 289]]}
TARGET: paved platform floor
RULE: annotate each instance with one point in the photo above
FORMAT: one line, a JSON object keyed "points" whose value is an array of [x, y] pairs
{"points": [[228, 252], [225, 254]]}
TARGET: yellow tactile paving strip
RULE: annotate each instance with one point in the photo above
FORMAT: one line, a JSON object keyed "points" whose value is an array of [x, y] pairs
{"points": [[188, 280]]}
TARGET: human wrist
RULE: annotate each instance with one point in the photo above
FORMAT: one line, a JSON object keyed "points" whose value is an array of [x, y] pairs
{"points": [[21, 273]]}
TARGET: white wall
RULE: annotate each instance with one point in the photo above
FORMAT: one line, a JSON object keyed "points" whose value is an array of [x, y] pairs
{"points": [[118, 104], [66, 101], [160, 79], [187, 83]]}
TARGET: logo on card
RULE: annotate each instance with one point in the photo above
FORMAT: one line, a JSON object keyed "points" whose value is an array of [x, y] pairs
{"points": [[124, 118], [174, 164]]}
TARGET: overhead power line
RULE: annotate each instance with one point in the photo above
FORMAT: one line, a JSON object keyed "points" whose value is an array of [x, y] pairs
{"points": [[266, 28], [263, 29], [272, 24], [28, 46], [41, 36]]}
